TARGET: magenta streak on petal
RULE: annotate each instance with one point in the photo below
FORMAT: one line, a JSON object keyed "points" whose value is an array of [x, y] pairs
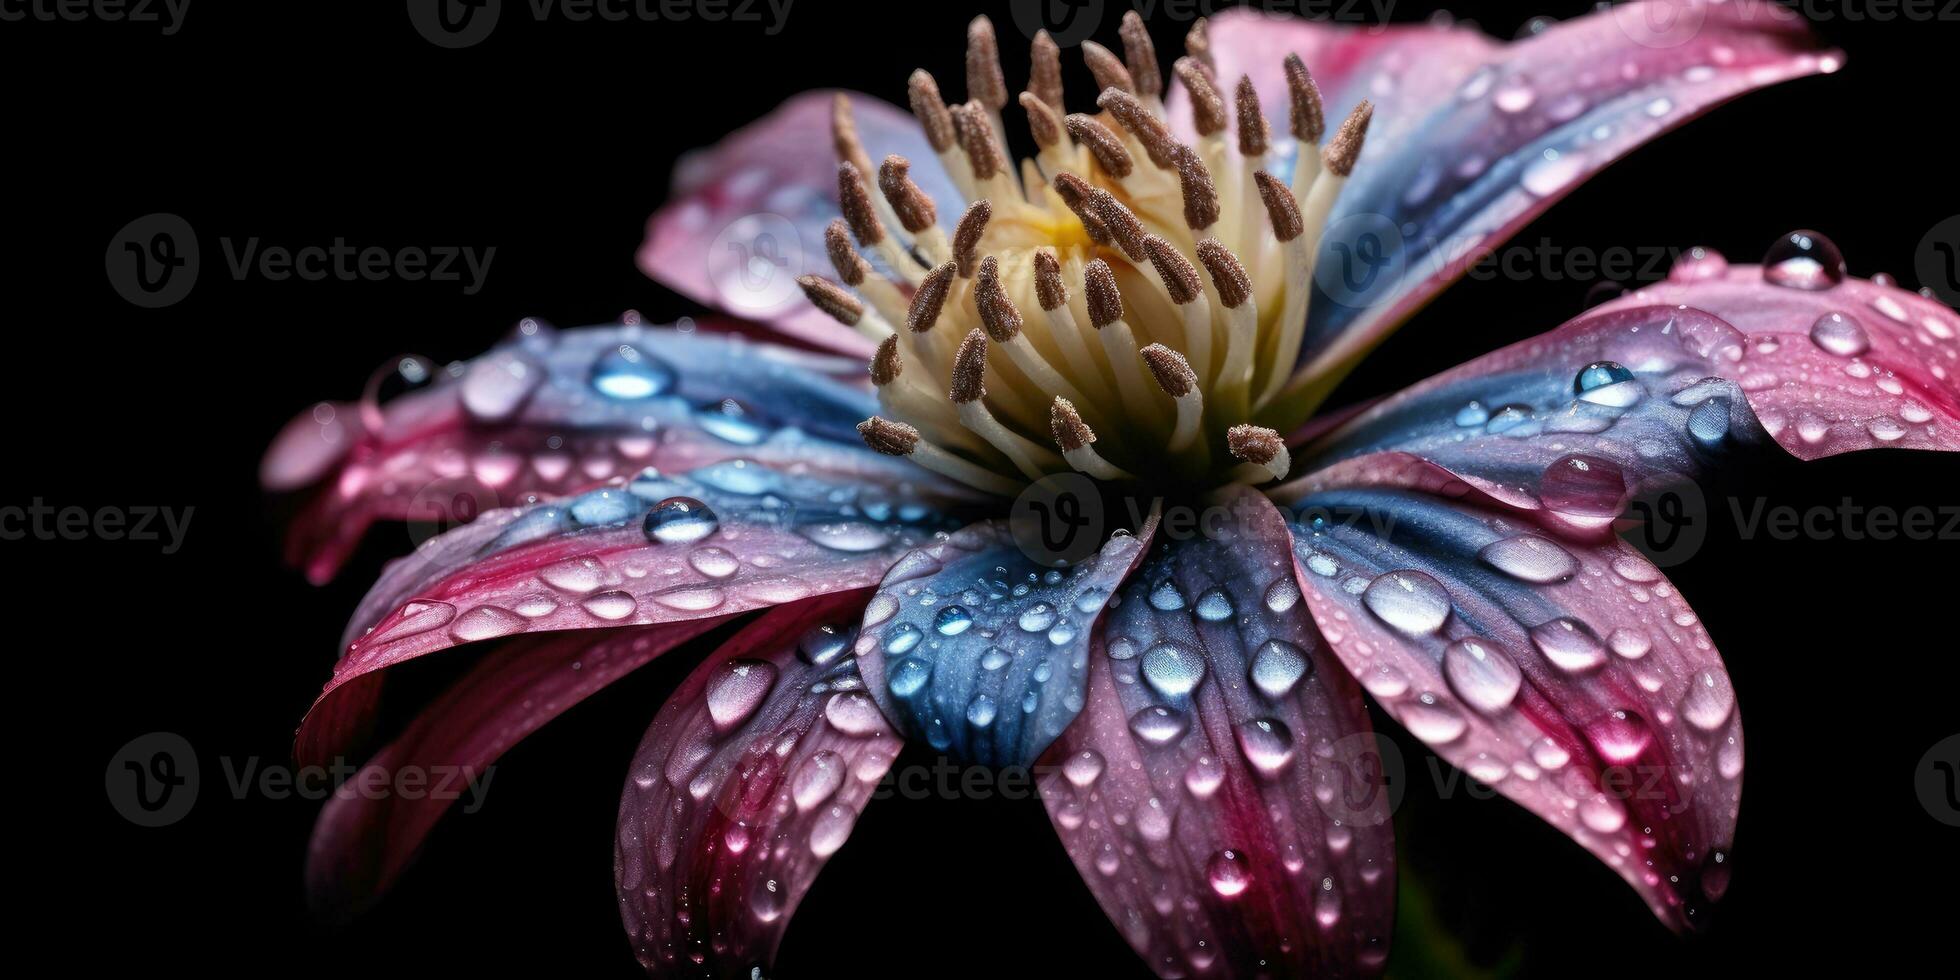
{"points": [[747, 216], [1238, 827], [1570, 677], [1472, 138], [748, 780], [368, 834]]}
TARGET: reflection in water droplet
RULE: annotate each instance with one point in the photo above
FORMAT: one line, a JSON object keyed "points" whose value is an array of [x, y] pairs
{"points": [[1530, 558], [1840, 334], [1620, 736], [1709, 700], [1569, 644], [1277, 666], [1174, 670], [1158, 725], [737, 690], [1482, 673], [952, 621], [1410, 601], [1228, 873], [626, 373], [1804, 260], [680, 520], [1267, 744]]}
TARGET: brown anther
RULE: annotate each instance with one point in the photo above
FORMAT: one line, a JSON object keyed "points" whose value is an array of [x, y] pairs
{"points": [[1076, 193], [969, 382], [851, 267], [1281, 207], [985, 83], [1049, 288], [1045, 73], [854, 199], [1255, 444], [1099, 288], [831, 298], [997, 312], [1228, 275], [929, 299], [1172, 371], [1207, 108], [1304, 95], [1042, 121], [1122, 224], [966, 237], [977, 139], [885, 365], [1200, 194], [1197, 43], [1108, 69], [930, 110], [1180, 276], [1254, 136], [888, 437], [914, 209], [1103, 145], [1158, 143], [1345, 148], [844, 133], [1140, 55], [1071, 433]]}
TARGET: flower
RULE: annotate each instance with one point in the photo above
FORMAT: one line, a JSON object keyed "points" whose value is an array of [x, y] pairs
{"points": [[1133, 330]]}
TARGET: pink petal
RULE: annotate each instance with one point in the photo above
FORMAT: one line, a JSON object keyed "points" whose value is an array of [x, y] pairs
{"points": [[749, 779], [1221, 791], [1472, 138], [1571, 677], [747, 216], [366, 836], [542, 568]]}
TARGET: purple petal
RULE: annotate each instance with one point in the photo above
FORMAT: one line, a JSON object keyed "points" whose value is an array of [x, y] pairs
{"points": [[718, 541], [747, 216], [1221, 793], [1570, 677], [750, 778], [365, 838], [557, 411], [982, 651], [1472, 137]]}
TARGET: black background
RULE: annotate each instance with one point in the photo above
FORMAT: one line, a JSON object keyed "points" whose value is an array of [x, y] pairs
{"points": [[553, 143]]}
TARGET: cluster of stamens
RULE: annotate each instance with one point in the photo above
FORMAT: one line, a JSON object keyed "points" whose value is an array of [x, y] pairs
{"points": [[1124, 305]]}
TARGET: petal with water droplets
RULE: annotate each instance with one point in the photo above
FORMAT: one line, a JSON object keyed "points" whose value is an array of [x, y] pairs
{"points": [[730, 811], [1224, 800]]}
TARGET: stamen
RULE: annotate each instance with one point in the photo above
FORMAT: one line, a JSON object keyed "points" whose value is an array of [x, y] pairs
{"points": [[1305, 111], [1289, 226], [1124, 229], [1340, 155], [1042, 122], [851, 267], [1174, 375], [886, 367], [1254, 135], [1079, 197], [1103, 145], [1105, 303], [832, 299], [899, 439], [1234, 288], [1140, 55], [1052, 293], [1197, 43], [1104, 299], [888, 437], [1045, 72], [978, 140], [1228, 276], [1207, 108], [1345, 148], [966, 237], [968, 391], [1108, 69], [1158, 143], [855, 201], [1263, 451], [1200, 194], [930, 298], [844, 133], [1076, 440], [970, 369], [904, 396], [914, 209], [1049, 288], [985, 82], [1281, 207], [1004, 323], [1181, 283], [930, 110]]}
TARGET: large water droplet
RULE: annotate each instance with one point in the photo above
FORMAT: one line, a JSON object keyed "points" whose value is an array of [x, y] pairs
{"points": [[1709, 700], [1840, 334], [495, 385], [1804, 260], [1569, 644], [602, 507], [1482, 673], [1408, 600], [823, 645], [1607, 383], [981, 710], [612, 606], [737, 690], [1583, 485], [1432, 719], [1038, 617], [1277, 666], [1158, 725], [680, 520], [909, 677], [902, 639], [627, 373], [1214, 605], [1228, 873], [485, 622], [1083, 767], [847, 536], [1165, 597], [398, 378], [740, 476], [1504, 418], [852, 713], [1620, 736], [952, 621], [732, 421], [714, 562], [1173, 669], [1530, 558], [1267, 744], [830, 829], [1709, 423], [816, 778]]}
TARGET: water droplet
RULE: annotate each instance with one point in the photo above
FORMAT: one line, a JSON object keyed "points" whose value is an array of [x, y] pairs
{"points": [[952, 621], [1552, 172], [852, 713], [485, 622], [1548, 754], [1530, 558], [1228, 874], [981, 710], [1158, 725], [737, 690], [1165, 597], [830, 829], [1277, 666], [1214, 606], [1709, 700], [1570, 645], [1504, 418], [1514, 96], [1430, 718], [1840, 334], [848, 536], [1204, 776], [995, 658], [714, 562], [1607, 383], [823, 645], [732, 421], [1583, 485], [611, 605], [1482, 673], [1472, 415], [902, 639], [1173, 669], [1408, 600], [602, 507], [495, 385], [398, 378], [680, 520], [1267, 743], [740, 476], [1804, 260], [1708, 424], [626, 373], [1602, 814], [1083, 767], [909, 677], [1620, 736], [1038, 617], [1283, 594]]}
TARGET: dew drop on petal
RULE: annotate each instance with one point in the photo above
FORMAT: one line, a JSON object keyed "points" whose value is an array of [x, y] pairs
{"points": [[680, 520], [1569, 644], [1228, 873], [1410, 601], [737, 690], [1840, 334], [1482, 673], [816, 778], [1173, 669], [626, 373], [1266, 743], [1530, 558], [1709, 700], [1804, 260], [1158, 725], [1277, 666]]}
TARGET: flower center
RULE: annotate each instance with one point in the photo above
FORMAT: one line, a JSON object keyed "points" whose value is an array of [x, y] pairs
{"points": [[1124, 304]]}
